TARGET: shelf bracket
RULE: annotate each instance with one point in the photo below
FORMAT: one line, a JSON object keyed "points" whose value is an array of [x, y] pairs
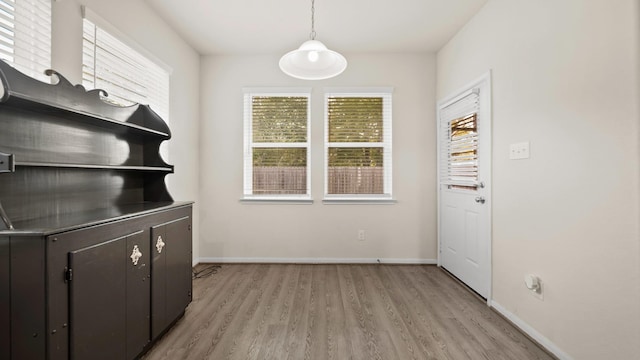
{"points": [[7, 163], [5, 220]]}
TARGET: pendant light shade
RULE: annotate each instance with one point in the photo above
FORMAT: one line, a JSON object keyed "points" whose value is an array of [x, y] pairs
{"points": [[312, 60]]}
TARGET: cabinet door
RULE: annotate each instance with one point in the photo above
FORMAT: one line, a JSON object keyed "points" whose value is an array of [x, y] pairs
{"points": [[170, 272], [97, 307], [5, 298], [138, 293], [109, 299]]}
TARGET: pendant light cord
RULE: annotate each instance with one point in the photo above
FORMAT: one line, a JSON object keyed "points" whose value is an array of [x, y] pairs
{"points": [[313, 20]]}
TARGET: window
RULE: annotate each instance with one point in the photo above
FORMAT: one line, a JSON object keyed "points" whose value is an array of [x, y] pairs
{"points": [[125, 74], [463, 152], [459, 144], [358, 145], [25, 36], [276, 156]]}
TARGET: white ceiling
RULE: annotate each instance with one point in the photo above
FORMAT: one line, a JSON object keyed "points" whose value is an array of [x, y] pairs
{"points": [[277, 26]]}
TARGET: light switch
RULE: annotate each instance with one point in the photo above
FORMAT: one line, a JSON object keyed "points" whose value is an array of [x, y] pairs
{"points": [[519, 151]]}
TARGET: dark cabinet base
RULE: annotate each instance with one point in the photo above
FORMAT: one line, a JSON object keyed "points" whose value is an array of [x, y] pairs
{"points": [[96, 292]]}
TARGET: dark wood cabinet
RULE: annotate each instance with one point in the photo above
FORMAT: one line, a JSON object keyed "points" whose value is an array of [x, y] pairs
{"points": [[98, 301], [109, 298], [95, 256], [171, 280]]}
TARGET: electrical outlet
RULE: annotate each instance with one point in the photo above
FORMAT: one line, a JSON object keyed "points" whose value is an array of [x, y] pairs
{"points": [[361, 235], [539, 294], [534, 284]]}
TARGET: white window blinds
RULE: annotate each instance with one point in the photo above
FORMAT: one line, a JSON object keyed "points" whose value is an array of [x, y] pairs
{"points": [[25, 36], [358, 151], [276, 156], [126, 75], [459, 142]]}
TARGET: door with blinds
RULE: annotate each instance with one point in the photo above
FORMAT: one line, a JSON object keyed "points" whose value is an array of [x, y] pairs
{"points": [[464, 209]]}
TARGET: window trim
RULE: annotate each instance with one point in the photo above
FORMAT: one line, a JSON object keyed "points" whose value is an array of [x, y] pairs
{"points": [[387, 144], [248, 145]]}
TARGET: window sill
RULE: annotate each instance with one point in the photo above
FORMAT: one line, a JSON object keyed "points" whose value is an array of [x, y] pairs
{"points": [[275, 200], [359, 201]]}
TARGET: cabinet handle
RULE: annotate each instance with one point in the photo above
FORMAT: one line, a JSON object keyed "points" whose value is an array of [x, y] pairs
{"points": [[160, 244], [135, 255]]}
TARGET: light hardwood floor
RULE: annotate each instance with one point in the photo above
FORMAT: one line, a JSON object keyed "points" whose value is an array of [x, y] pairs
{"points": [[263, 311]]}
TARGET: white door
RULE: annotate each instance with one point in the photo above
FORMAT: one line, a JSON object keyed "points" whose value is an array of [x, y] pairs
{"points": [[464, 209]]}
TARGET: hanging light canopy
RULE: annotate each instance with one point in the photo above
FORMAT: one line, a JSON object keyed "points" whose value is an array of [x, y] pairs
{"points": [[312, 60]]}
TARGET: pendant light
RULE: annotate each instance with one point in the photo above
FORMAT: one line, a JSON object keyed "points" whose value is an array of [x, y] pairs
{"points": [[312, 60]]}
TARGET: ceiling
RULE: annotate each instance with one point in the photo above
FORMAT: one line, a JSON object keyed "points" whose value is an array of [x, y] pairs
{"points": [[277, 26]]}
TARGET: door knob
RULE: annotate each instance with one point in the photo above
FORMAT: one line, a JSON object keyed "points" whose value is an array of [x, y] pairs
{"points": [[480, 200]]}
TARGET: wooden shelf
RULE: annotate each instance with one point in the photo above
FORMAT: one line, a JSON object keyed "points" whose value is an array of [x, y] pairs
{"points": [[97, 167], [23, 102], [65, 149], [74, 102]]}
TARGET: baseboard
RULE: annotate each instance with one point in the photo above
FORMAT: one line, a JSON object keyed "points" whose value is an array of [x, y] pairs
{"points": [[317, 260], [531, 332]]}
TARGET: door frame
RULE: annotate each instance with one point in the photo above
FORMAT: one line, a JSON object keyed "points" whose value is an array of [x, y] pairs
{"points": [[483, 83]]}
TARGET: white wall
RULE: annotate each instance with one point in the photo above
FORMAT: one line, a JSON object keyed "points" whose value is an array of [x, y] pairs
{"points": [[565, 78], [234, 231], [141, 25]]}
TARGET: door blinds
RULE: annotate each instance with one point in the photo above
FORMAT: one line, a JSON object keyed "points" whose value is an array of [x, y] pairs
{"points": [[459, 142]]}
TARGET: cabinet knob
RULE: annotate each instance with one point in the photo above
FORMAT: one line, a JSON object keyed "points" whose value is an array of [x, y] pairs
{"points": [[160, 244], [135, 255]]}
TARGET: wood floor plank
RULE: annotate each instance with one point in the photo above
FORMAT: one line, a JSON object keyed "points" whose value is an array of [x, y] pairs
{"points": [[292, 311]]}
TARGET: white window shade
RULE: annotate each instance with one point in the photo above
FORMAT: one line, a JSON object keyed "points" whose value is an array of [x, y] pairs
{"points": [[125, 74], [459, 123], [25, 36]]}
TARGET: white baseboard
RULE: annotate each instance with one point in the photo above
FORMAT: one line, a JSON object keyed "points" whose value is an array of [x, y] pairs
{"points": [[316, 260], [533, 333]]}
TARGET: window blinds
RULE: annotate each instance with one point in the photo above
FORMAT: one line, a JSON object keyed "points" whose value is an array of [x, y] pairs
{"points": [[278, 119], [358, 145], [25, 36], [459, 142], [126, 75]]}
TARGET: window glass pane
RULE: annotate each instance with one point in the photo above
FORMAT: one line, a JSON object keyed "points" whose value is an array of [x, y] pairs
{"points": [[355, 119], [463, 151], [279, 119], [279, 156], [356, 170], [279, 171]]}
